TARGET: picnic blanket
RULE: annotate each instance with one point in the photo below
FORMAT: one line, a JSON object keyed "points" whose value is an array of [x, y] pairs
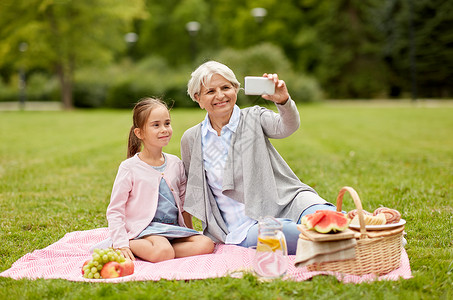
{"points": [[64, 259]]}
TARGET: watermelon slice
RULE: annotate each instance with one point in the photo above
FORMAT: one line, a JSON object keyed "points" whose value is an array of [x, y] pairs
{"points": [[326, 221], [314, 219]]}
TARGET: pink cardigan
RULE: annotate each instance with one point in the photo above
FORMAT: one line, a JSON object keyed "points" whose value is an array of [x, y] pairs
{"points": [[135, 194]]}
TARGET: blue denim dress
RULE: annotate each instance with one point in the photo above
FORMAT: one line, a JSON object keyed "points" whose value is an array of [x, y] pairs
{"points": [[165, 221]]}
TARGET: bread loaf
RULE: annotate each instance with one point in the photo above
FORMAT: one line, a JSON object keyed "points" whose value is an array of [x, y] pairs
{"points": [[370, 220], [391, 215], [354, 213]]}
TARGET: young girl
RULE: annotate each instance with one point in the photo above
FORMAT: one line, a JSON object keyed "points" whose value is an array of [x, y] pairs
{"points": [[145, 215]]}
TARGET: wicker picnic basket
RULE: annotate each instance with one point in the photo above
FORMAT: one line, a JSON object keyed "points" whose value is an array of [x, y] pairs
{"points": [[377, 252]]}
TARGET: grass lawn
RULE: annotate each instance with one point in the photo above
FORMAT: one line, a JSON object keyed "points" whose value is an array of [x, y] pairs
{"points": [[57, 170]]}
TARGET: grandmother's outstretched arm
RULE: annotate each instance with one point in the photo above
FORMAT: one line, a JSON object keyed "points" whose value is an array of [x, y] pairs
{"points": [[287, 121]]}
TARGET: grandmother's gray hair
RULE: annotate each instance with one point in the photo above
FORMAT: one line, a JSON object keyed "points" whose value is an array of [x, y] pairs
{"points": [[203, 74]]}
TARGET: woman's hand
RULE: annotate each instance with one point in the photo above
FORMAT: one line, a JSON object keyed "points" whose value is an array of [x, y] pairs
{"points": [[281, 94], [126, 251]]}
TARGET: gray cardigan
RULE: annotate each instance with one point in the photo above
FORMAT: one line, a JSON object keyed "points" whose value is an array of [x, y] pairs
{"points": [[255, 174]]}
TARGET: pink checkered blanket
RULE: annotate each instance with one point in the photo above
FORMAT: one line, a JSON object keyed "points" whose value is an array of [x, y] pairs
{"points": [[64, 260]]}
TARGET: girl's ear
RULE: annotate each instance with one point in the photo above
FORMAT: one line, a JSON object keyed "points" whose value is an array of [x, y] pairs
{"points": [[138, 133]]}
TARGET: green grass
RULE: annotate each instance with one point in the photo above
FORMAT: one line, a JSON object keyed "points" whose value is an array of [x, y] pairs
{"points": [[57, 170]]}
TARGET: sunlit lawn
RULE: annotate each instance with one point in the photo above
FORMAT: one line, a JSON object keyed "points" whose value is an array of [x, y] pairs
{"points": [[57, 170]]}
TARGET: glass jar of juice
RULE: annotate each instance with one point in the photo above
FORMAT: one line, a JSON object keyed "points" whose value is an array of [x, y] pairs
{"points": [[271, 257]]}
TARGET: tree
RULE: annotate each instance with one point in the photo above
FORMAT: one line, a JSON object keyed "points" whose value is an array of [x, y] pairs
{"points": [[164, 33], [64, 35], [350, 63], [418, 38]]}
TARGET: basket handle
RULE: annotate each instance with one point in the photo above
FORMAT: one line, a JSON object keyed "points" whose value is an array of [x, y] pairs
{"points": [[357, 203]]}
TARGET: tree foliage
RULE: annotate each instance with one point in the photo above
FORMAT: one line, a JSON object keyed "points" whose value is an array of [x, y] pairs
{"points": [[352, 48], [350, 64], [424, 27], [63, 35]]}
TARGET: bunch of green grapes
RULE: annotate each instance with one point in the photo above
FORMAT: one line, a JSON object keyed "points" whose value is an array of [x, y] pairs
{"points": [[92, 268]]}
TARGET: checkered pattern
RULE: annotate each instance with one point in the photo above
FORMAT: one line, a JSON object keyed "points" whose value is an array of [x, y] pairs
{"points": [[215, 155]]}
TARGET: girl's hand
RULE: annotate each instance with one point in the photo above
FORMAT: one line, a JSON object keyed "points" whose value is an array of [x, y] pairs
{"points": [[281, 94], [187, 219], [126, 251]]}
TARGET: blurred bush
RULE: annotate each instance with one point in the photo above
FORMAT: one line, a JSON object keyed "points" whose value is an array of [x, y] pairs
{"points": [[42, 87], [268, 58], [151, 77], [154, 77], [39, 87], [122, 84], [90, 87], [8, 92]]}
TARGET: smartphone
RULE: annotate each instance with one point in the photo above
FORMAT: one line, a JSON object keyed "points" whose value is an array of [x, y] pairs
{"points": [[258, 86]]}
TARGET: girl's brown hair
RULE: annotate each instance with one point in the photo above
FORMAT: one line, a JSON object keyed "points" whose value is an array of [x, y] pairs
{"points": [[141, 113]]}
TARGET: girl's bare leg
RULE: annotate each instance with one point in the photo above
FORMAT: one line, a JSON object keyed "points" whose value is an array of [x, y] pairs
{"points": [[192, 245], [152, 248]]}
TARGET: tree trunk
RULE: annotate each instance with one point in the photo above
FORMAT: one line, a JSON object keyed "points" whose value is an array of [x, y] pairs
{"points": [[65, 79], [64, 65]]}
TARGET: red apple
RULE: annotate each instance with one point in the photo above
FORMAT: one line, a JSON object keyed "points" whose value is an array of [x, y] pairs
{"points": [[111, 269], [127, 267], [87, 261]]}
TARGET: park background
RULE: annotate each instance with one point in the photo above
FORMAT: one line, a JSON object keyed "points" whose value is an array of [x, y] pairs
{"points": [[110, 53], [341, 59]]}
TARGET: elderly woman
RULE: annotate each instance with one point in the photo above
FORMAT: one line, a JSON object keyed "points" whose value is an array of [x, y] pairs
{"points": [[235, 175]]}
